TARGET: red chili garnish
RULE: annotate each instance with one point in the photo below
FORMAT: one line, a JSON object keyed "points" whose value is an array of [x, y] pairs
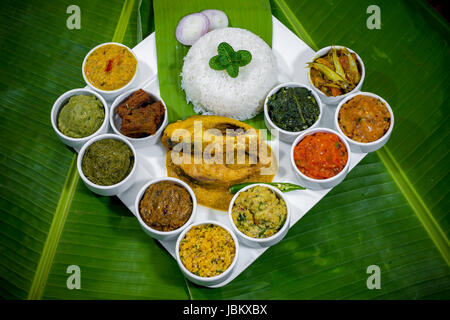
{"points": [[109, 66]]}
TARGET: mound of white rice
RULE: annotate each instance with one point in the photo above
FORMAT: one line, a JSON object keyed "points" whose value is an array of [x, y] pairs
{"points": [[215, 92]]}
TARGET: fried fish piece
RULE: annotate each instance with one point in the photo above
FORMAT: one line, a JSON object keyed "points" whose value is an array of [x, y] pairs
{"points": [[223, 139], [214, 173], [217, 132]]}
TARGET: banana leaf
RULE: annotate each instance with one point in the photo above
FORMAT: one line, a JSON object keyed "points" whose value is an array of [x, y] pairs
{"points": [[390, 211]]}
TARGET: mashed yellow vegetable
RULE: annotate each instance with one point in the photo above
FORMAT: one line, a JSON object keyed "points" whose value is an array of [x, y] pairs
{"points": [[110, 67], [207, 250], [258, 212]]}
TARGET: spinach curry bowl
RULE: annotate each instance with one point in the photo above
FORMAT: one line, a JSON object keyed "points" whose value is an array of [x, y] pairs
{"points": [[107, 164], [290, 108]]}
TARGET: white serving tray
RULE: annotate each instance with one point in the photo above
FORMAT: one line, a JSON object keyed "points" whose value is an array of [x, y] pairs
{"points": [[291, 55]]}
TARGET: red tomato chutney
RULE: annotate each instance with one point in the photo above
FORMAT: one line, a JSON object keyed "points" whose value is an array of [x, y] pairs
{"points": [[321, 155]]}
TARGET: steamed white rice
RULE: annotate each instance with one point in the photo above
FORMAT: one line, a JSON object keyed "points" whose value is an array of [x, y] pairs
{"points": [[215, 92]]}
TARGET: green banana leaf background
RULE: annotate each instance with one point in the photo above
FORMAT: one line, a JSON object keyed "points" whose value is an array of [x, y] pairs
{"points": [[390, 211]]}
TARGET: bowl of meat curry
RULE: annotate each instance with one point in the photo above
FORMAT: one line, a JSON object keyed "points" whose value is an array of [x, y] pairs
{"points": [[165, 207]]}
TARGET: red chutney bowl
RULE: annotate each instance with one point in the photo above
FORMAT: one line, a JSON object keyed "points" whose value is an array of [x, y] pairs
{"points": [[321, 176]]}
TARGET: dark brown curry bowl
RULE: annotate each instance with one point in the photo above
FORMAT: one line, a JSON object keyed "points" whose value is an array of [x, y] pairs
{"points": [[164, 235], [116, 121]]}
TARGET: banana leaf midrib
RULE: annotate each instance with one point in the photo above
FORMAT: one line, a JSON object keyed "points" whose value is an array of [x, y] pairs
{"points": [[48, 252], [417, 204], [124, 18]]}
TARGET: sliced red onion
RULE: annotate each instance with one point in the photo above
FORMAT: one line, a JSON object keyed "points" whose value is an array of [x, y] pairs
{"points": [[217, 19], [191, 28]]}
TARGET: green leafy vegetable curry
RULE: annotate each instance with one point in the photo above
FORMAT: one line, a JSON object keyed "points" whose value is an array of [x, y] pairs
{"points": [[107, 162], [293, 109]]}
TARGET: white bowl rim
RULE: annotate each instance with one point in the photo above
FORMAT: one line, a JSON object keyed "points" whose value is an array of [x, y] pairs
{"points": [[357, 88], [57, 106], [177, 181], [126, 86], [292, 84], [219, 276], [344, 170], [122, 98], [272, 237], [101, 137], [368, 94]]}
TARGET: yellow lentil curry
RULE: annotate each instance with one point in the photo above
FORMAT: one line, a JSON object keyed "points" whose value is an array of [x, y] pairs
{"points": [[258, 212], [207, 250], [110, 67], [364, 119]]}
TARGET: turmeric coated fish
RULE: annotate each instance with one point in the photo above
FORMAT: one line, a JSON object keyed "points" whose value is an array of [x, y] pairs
{"points": [[230, 153]]}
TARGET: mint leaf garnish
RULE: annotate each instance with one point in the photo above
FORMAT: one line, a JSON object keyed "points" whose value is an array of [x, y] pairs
{"points": [[229, 60], [245, 56], [216, 64], [233, 70]]}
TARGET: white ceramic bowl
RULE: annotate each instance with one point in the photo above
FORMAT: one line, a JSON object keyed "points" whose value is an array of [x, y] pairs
{"points": [[165, 235], [319, 184], [289, 136], [111, 94], [77, 143], [207, 281], [263, 242], [116, 122], [361, 147], [114, 189], [335, 100]]}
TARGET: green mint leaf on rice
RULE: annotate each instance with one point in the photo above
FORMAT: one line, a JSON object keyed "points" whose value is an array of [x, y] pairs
{"points": [[216, 64], [236, 57], [233, 70], [223, 61], [225, 49], [245, 56], [228, 59]]}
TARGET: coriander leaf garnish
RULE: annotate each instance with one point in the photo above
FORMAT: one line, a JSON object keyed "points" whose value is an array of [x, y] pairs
{"points": [[229, 60]]}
